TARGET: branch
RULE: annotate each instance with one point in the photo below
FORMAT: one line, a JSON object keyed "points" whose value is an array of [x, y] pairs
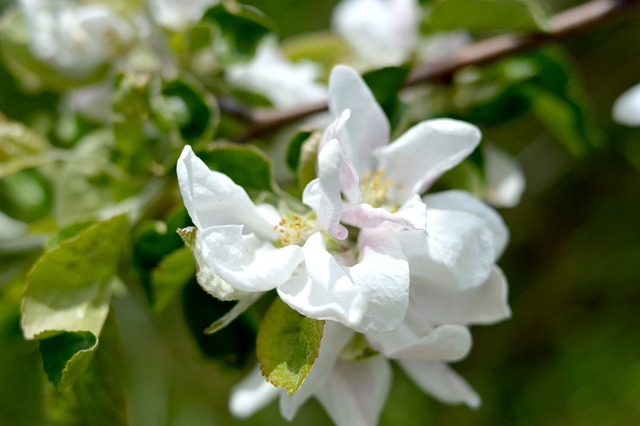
{"points": [[562, 25]]}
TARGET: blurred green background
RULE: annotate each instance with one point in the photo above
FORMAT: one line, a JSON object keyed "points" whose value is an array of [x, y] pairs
{"points": [[570, 355]]}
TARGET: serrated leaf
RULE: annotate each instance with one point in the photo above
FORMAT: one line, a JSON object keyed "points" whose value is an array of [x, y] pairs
{"points": [[246, 165], [65, 356], [288, 344], [170, 276], [97, 395], [483, 15], [69, 287]]}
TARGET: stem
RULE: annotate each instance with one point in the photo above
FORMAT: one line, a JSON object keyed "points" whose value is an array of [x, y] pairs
{"points": [[562, 25]]}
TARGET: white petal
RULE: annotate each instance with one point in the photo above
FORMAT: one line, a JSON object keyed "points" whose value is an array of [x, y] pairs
{"points": [[423, 153], [505, 178], [448, 342], [323, 194], [334, 338], [212, 198], [439, 380], [286, 84], [324, 290], [246, 262], [626, 109], [484, 304], [368, 127], [459, 249], [384, 35], [384, 271], [251, 394], [356, 391], [463, 201]]}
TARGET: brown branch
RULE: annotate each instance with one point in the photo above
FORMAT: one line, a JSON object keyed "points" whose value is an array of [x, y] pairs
{"points": [[562, 25]]}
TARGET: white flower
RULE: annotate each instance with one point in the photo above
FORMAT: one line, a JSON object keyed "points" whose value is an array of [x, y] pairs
{"points": [[284, 83], [380, 32], [381, 184], [176, 15], [73, 37], [451, 247], [626, 109], [243, 248], [505, 178]]}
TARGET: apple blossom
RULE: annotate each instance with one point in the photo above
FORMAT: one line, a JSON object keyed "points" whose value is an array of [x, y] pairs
{"points": [[176, 15], [626, 109], [74, 37], [284, 83], [451, 247], [242, 248]]}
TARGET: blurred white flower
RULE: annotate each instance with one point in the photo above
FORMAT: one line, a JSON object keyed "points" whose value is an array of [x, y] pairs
{"points": [[505, 178], [380, 32], [626, 109], [176, 15], [284, 83], [73, 37]]}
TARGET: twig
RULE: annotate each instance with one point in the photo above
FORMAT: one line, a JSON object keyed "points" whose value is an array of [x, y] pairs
{"points": [[562, 25]]}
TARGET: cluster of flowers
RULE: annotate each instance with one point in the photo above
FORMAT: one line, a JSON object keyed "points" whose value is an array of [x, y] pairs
{"points": [[402, 273]]}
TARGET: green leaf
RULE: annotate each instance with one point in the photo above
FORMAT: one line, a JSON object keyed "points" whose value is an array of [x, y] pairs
{"points": [[385, 83], [17, 140], [67, 355], [295, 149], [69, 287], [242, 29], [482, 15], [563, 118], [22, 397], [287, 346], [83, 184], [323, 47], [235, 312], [170, 276], [191, 107], [21, 148], [97, 396], [246, 165]]}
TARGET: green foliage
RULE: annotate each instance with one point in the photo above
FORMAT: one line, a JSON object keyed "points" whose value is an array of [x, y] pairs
{"points": [[30, 71], [385, 83], [482, 15], [172, 273], [242, 28], [246, 165], [97, 396], [294, 150], [287, 346], [68, 290], [323, 47], [233, 345]]}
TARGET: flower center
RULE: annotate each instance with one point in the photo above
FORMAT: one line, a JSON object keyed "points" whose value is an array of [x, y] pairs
{"points": [[293, 230], [374, 187]]}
